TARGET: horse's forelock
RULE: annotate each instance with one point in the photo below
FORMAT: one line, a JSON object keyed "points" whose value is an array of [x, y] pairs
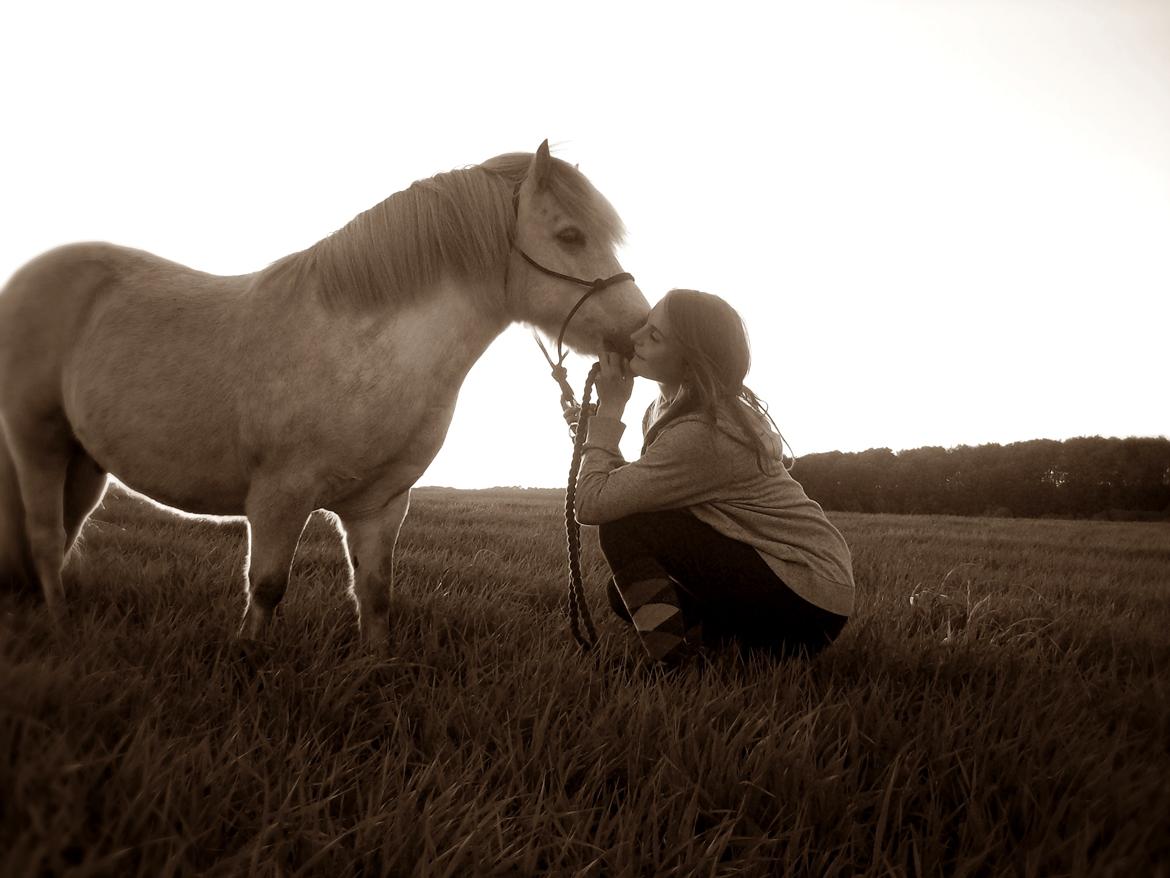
{"points": [[582, 200]]}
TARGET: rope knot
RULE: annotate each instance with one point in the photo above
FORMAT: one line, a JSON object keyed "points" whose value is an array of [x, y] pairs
{"points": [[568, 398]]}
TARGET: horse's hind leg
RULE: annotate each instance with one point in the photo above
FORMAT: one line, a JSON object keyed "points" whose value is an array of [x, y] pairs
{"points": [[41, 451], [16, 568], [371, 540], [85, 482], [276, 517]]}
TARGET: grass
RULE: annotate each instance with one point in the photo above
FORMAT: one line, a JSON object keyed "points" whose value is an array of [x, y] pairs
{"points": [[1033, 740]]}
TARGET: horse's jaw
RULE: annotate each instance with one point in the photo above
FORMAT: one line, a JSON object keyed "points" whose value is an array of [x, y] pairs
{"points": [[621, 344], [593, 341], [597, 327]]}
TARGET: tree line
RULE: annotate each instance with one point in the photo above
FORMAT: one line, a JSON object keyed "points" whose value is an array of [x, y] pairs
{"points": [[1079, 478]]}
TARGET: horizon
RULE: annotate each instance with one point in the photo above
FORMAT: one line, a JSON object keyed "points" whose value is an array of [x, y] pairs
{"points": [[894, 451]]}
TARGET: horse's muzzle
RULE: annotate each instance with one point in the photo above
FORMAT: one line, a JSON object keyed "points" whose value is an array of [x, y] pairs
{"points": [[621, 344]]}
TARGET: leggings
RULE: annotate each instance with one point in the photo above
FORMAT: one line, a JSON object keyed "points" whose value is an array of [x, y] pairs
{"points": [[722, 583]]}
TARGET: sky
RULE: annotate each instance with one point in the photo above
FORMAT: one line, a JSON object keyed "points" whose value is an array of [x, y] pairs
{"points": [[943, 223]]}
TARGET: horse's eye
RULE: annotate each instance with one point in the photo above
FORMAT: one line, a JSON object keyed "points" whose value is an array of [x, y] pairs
{"points": [[571, 235]]}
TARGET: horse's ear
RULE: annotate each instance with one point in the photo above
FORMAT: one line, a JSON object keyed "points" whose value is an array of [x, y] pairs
{"points": [[541, 166]]}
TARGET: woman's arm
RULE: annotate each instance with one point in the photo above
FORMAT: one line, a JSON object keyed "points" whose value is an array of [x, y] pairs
{"points": [[680, 469]]}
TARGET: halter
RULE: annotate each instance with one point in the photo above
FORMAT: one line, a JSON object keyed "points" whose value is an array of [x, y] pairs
{"points": [[559, 372]]}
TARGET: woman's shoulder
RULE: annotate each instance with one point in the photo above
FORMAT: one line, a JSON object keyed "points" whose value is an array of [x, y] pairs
{"points": [[693, 423], [710, 427], [721, 419], [751, 427], [736, 416]]}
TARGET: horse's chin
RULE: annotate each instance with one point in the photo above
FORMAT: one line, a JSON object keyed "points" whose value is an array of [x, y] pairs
{"points": [[594, 345], [619, 344]]}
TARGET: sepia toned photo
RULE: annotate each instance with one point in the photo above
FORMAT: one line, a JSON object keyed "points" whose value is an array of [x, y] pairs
{"points": [[627, 439]]}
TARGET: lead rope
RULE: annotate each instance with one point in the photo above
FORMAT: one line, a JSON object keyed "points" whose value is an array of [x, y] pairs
{"points": [[578, 609]]}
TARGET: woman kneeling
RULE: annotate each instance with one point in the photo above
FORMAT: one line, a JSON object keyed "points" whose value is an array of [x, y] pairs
{"points": [[709, 537]]}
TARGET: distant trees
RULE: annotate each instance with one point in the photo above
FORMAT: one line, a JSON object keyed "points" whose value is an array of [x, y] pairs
{"points": [[1082, 478]]}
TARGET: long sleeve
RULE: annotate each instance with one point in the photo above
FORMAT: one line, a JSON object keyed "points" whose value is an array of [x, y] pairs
{"points": [[681, 468]]}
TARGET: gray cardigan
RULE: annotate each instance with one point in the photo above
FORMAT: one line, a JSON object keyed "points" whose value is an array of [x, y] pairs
{"points": [[716, 477]]}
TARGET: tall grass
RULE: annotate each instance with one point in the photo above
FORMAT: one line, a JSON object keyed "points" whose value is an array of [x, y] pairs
{"points": [[1035, 740]]}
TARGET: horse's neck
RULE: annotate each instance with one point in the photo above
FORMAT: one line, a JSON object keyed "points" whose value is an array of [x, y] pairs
{"points": [[433, 337], [449, 328]]}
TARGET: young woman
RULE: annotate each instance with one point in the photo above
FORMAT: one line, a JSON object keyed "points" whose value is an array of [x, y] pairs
{"points": [[708, 536]]}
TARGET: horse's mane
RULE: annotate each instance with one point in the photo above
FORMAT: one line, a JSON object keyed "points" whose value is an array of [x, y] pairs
{"points": [[457, 223]]}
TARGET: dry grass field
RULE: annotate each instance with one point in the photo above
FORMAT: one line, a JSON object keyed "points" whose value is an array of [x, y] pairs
{"points": [[1030, 737]]}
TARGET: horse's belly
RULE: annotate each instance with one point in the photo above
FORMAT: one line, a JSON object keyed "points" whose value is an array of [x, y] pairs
{"points": [[171, 461], [160, 433]]}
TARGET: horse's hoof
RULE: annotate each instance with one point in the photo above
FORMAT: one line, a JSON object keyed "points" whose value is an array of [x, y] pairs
{"points": [[255, 653], [378, 648], [375, 639], [61, 619]]}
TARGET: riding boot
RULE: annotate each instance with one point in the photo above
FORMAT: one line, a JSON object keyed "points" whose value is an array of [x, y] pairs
{"points": [[652, 599]]}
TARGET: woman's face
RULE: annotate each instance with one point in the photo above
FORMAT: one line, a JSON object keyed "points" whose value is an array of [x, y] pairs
{"points": [[656, 355]]}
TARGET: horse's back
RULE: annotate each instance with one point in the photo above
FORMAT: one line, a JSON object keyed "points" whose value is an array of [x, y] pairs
{"points": [[49, 304], [43, 308]]}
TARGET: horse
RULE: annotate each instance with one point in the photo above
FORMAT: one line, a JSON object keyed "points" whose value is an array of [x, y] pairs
{"points": [[326, 380]]}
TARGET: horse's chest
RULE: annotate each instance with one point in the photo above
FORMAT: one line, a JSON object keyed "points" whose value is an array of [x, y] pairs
{"points": [[366, 401], [376, 457], [378, 435], [361, 426]]}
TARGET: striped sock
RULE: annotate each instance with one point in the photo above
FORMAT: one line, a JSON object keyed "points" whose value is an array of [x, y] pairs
{"points": [[652, 601]]}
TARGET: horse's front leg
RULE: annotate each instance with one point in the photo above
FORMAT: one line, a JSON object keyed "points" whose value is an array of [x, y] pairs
{"points": [[372, 537], [276, 516]]}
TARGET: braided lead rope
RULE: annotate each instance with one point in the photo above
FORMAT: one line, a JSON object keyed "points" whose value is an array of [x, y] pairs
{"points": [[578, 609], [560, 375]]}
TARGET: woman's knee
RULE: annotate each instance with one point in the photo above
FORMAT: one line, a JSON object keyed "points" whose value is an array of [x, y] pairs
{"points": [[641, 531], [635, 522], [622, 535]]}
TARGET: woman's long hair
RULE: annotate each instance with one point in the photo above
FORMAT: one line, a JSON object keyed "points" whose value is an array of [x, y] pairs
{"points": [[717, 356]]}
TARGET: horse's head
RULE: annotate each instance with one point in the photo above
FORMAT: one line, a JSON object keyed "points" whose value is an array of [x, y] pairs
{"points": [[564, 225]]}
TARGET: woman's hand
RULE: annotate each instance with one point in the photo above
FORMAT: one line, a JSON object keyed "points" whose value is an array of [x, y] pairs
{"points": [[572, 414], [614, 384]]}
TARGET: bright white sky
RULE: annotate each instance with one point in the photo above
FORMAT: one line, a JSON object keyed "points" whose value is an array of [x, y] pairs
{"points": [[943, 222]]}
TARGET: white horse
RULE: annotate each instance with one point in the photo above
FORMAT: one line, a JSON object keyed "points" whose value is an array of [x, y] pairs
{"points": [[325, 381]]}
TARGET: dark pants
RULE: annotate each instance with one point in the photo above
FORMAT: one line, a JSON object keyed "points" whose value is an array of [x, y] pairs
{"points": [[723, 583]]}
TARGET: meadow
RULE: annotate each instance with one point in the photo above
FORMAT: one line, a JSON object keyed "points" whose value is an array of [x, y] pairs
{"points": [[1030, 736]]}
